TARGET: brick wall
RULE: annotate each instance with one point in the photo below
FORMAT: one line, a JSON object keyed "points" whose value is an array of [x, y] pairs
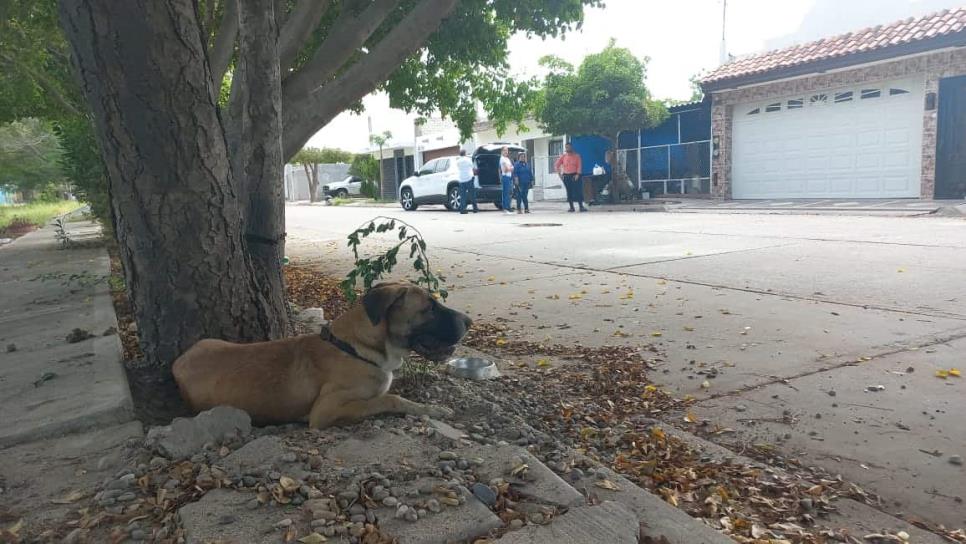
{"points": [[932, 67]]}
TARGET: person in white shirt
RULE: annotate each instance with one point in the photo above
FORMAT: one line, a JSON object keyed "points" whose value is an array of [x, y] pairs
{"points": [[506, 177], [464, 168]]}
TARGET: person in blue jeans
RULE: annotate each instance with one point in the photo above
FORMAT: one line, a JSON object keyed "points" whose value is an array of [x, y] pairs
{"points": [[523, 176], [464, 168], [506, 177]]}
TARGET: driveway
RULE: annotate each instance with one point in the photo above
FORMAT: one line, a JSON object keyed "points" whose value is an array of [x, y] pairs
{"points": [[817, 335]]}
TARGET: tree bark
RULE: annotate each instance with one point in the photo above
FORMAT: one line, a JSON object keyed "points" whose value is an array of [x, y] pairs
{"points": [[143, 68], [220, 54], [257, 163]]}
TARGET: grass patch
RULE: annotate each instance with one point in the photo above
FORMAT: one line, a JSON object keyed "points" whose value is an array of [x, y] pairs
{"points": [[339, 201], [33, 214]]}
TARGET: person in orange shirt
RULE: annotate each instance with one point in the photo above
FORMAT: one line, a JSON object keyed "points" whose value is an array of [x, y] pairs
{"points": [[568, 167]]}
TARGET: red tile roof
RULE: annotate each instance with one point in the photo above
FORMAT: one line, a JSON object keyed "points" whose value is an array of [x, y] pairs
{"points": [[882, 37]]}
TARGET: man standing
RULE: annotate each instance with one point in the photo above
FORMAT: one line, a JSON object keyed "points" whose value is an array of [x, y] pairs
{"points": [[464, 169], [523, 175], [568, 168], [506, 179]]}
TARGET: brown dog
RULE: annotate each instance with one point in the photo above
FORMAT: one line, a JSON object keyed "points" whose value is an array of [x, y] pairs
{"points": [[341, 375]]}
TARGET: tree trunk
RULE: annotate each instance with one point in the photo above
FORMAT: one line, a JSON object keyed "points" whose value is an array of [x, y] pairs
{"points": [[308, 181], [257, 163], [314, 183], [144, 71]]}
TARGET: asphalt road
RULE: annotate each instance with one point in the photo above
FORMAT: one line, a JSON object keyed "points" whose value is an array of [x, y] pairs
{"points": [[794, 321]]}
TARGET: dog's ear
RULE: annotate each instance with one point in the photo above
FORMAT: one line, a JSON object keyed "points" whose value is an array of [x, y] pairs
{"points": [[379, 299]]}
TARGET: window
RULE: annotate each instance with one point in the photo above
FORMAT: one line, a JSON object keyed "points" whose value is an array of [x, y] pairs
{"points": [[795, 104], [845, 96], [428, 168], [894, 91], [442, 165], [777, 106], [870, 93], [554, 151], [818, 99], [755, 111]]}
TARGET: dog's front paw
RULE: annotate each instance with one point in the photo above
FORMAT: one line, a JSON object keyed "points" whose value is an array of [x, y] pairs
{"points": [[439, 412]]}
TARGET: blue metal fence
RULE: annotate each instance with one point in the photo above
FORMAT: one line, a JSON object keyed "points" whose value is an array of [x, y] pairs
{"points": [[673, 157]]}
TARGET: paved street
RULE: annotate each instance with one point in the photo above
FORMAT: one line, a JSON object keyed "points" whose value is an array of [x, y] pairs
{"points": [[788, 319]]}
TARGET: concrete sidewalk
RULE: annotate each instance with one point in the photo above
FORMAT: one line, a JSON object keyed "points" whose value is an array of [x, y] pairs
{"points": [[50, 384]]}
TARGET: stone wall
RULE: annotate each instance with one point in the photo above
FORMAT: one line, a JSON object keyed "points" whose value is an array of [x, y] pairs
{"points": [[932, 67]]}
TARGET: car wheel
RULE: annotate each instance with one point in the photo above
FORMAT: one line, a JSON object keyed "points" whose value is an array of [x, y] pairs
{"points": [[407, 200], [342, 193], [453, 198]]}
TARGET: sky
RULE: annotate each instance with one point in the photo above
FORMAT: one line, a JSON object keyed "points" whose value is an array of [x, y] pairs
{"points": [[681, 37]]}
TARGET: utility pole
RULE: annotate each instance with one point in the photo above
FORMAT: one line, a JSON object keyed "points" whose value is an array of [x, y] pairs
{"points": [[724, 49]]}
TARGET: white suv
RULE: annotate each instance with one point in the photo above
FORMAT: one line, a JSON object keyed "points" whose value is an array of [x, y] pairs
{"points": [[351, 185], [436, 182]]}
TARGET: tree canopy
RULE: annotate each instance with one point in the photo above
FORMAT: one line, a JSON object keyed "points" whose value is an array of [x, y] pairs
{"points": [[325, 155], [605, 95]]}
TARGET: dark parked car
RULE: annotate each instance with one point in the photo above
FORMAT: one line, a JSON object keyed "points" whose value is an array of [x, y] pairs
{"points": [[487, 161]]}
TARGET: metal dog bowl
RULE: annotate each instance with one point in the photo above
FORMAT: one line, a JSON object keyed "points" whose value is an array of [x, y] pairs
{"points": [[473, 368]]}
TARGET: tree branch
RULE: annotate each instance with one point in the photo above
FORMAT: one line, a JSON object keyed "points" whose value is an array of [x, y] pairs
{"points": [[304, 116], [298, 28], [220, 55], [347, 36]]}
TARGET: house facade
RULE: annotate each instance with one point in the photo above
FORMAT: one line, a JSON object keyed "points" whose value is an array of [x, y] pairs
{"points": [[878, 113]]}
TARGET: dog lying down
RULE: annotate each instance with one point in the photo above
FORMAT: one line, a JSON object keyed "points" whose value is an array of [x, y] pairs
{"points": [[341, 375]]}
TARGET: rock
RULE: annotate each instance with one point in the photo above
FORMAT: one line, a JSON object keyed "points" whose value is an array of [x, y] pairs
{"points": [[516, 524], [138, 534], [741, 408], [78, 335], [536, 518], [447, 456], [391, 501], [433, 506], [956, 460], [261, 451], [483, 492], [312, 318], [806, 504], [185, 436], [10, 349], [832, 393], [76, 536], [201, 520], [608, 522]]}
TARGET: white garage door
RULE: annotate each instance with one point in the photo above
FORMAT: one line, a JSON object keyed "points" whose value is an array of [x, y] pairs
{"points": [[860, 142]]}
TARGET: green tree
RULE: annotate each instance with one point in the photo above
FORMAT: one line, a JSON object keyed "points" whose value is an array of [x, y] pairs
{"points": [[311, 157], [36, 80], [366, 167], [604, 96], [380, 141], [152, 71], [29, 156]]}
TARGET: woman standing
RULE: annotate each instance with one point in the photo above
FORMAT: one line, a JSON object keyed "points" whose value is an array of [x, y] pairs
{"points": [[506, 177], [523, 175]]}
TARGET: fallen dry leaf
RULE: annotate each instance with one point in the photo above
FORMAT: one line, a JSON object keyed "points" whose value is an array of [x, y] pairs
{"points": [[607, 484], [313, 538], [71, 497]]}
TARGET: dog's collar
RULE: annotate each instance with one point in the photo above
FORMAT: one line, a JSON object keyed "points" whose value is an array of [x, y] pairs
{"points": [[345, 347]]}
